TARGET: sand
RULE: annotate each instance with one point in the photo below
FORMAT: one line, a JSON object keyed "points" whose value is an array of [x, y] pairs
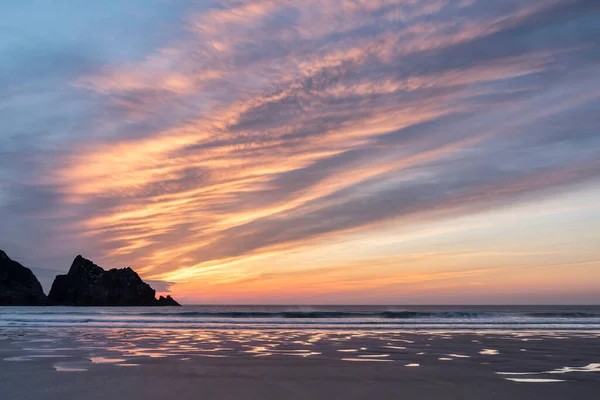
{"points": [[179, 364]]}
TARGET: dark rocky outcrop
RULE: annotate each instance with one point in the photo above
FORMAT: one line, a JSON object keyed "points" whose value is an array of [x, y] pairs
{"points": [[166, 301], [18, 285], [87, 284]]}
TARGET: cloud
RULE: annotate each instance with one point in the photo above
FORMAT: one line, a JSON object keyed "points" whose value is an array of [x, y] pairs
{"points": [[273, 125], [161, 286]]}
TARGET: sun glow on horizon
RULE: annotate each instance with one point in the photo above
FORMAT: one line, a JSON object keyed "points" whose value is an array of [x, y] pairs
{"points": [[311, 151]]}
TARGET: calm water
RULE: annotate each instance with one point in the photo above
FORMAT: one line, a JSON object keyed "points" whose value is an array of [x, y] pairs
{"points": [[550, 318]]}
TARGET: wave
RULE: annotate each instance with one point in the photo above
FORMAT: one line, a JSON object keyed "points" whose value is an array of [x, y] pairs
{"points": [[183, 322], [562, 315], [324, 314], [280, 318], [292, 314], [382, 315], [328, 314]]}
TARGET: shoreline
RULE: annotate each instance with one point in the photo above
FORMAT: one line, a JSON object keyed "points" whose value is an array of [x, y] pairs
{"points": [[441, 318], [65, 363]]}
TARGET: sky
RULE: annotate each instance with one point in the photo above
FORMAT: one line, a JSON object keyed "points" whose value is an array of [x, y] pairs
{"points": [[307, 152]]}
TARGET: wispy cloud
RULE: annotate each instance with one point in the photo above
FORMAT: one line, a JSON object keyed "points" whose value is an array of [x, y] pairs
{"points": [[261, 127]]}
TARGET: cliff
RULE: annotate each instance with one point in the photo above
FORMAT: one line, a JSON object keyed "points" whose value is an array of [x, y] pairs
{"points": [[18, 285], [87, 284]]}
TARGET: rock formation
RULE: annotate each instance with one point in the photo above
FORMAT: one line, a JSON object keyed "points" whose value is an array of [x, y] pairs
{"points": [[87, 284], [18, 285], [166, 301]]}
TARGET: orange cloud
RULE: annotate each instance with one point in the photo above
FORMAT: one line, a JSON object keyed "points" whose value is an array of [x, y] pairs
{"points": [[261, 139]]}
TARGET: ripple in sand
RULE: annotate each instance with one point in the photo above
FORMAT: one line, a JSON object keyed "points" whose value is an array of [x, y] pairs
{"points": [[563, 370], [374, 356], [212, 355], [256, 349], [519, 373], [395, 347], [489, 352], [215, 349], [104, 360], [48, 349], [304, 343], [68, 368], [458, 356], [145, 352], [127, 365], [348, 350], [300, 353], [31, 357], [532, 380], [315, 338], [566, 370], [17, 359]]}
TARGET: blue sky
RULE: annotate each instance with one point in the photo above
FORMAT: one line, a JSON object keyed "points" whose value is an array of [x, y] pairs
{"points": [[318, 151]]}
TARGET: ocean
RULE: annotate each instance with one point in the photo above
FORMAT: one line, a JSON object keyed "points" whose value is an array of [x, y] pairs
{"points": [[402, 318]]}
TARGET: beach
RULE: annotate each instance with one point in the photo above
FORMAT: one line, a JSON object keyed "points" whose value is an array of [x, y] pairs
{"points": [[105, 363], [300, 199]]}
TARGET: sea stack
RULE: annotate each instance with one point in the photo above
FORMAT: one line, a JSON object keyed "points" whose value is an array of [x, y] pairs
{"points": [[18, 285], [87, 284]]}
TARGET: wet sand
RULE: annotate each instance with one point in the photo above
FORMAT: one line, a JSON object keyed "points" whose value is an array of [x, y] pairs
{"points": [[179, 364]]}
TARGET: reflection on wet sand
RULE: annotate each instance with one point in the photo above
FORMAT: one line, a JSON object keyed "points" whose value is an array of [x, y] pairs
{"points": [[86, 349], [458, 356], [562, 370], [373, 355], [17, 359], [105, 360], [69, 368], [33, 357], [489, 352], [532, 380]]}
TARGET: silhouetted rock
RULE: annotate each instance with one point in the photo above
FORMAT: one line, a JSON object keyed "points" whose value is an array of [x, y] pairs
{"points": [[18, 285], [87, 284], [167, 301]]}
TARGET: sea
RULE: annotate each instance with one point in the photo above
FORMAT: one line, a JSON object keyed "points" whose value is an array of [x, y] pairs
{"points": [[389, 318]]}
